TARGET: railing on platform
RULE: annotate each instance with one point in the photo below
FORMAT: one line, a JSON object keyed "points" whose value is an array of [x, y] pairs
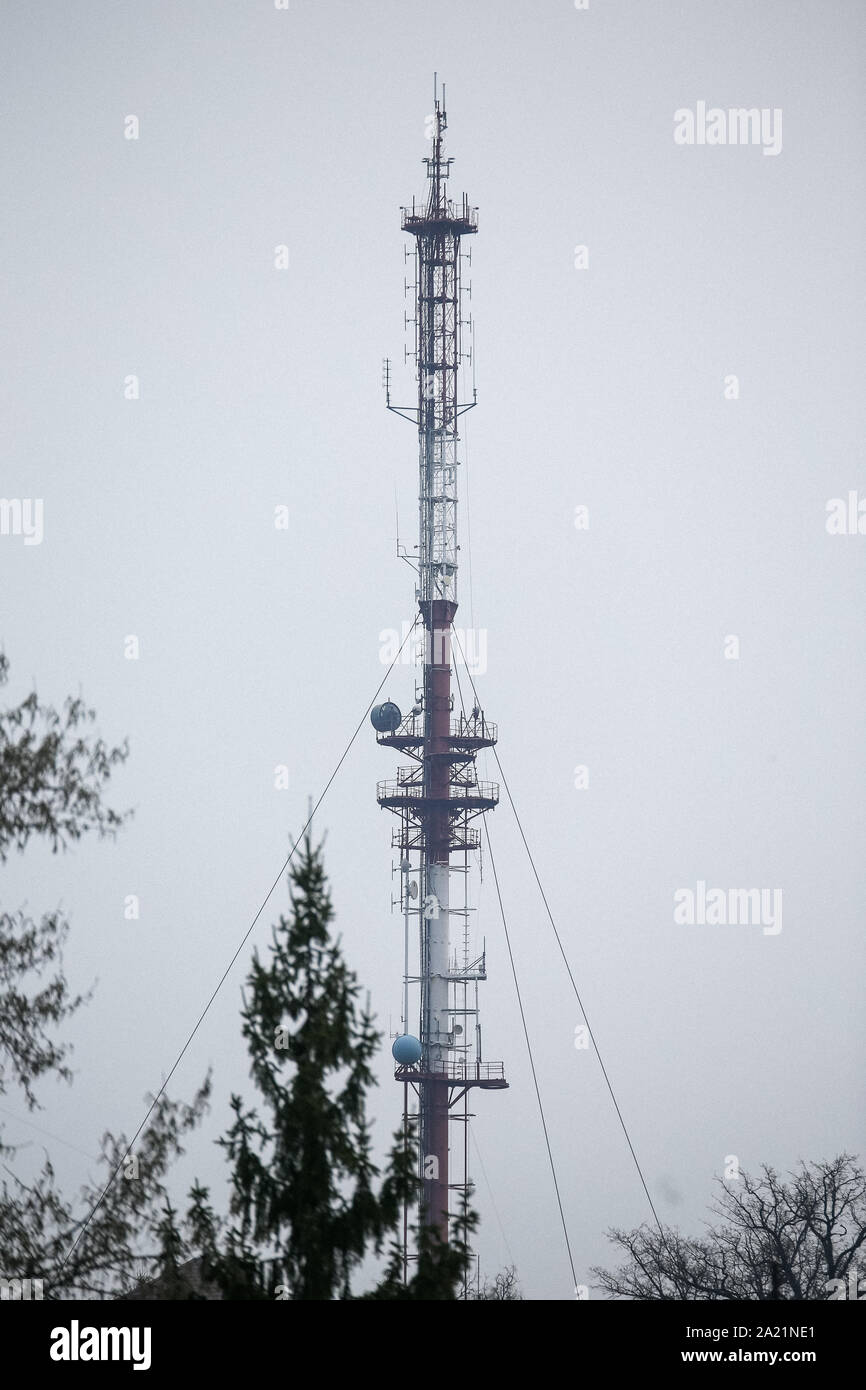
{"points": [[412, 729], [410, 792], [457, 1071]]}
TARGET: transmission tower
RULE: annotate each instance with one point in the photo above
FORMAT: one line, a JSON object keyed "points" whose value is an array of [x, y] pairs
{"points": [[438, 795]]}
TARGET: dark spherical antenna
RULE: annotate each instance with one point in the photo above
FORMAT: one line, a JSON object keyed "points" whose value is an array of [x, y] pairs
{"points": [[386, 718]]}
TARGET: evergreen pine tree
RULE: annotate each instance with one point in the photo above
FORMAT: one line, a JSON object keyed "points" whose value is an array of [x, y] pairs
{"points": [[303, 1174], [308, 1203]]}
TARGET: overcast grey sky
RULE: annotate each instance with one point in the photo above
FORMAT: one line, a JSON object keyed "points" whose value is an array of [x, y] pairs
{"points": [[602, 387]]}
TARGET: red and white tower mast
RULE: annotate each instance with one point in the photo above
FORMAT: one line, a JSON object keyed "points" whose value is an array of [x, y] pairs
{"points": [[438, 794]]}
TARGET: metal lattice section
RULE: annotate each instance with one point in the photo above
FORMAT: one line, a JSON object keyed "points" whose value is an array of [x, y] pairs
{"points": [[437, 229]]}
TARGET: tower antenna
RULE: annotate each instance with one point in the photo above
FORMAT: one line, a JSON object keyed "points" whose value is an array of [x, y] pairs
{"points": [[438, 796]]}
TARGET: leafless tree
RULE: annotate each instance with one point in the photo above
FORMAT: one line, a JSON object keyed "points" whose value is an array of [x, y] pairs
{"points": [[504, 1288], [774, 1238]]}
